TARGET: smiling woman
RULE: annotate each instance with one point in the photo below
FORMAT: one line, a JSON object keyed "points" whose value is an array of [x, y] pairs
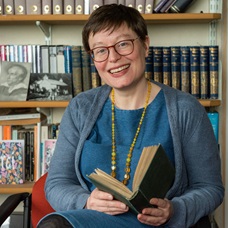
{"points": [[107, 128]]}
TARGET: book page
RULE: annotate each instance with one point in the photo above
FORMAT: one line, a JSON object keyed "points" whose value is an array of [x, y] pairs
{"points": [[143, 164]]}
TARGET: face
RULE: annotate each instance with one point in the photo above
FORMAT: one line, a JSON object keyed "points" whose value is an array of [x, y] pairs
{"points": [[14, 75], [120, 71]]}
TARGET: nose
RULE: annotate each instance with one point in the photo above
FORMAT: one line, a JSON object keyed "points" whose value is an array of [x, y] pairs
{"points": [[113, 55]]}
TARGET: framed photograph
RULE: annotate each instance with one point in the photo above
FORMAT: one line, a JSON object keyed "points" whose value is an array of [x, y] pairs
{"points": [[50, 87], [14, 81], [12, 165]]}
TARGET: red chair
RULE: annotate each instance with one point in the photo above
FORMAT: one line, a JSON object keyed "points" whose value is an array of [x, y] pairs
{"points": [[35, 205]]}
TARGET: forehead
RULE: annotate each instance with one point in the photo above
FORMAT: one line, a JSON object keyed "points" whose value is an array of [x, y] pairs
{"points": [[109, 35]]}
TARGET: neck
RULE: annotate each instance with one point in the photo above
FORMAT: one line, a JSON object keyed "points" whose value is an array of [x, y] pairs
{"points": [[131, 98]]}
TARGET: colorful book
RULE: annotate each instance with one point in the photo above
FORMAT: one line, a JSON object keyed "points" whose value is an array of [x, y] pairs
{"points": [[48, 151], [12, 162], [67, 52], [6, 132]]}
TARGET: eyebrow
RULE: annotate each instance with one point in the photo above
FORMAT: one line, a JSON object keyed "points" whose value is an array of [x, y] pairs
{"points": [[121, 37]]}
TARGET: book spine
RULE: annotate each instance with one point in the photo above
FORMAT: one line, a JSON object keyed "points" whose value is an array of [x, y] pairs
{"points": [[8, 7], [157, 64], [67, 52], [33, 7], [53, 59], [6, 132], [1, 7], [76, 70], [185, 68], [106, 2], [149, 64], [167, 6], [159, 5], [57, 7], [20, 7], [79, 7], [46, 7], [68, 7], [3, 52], [195, 70], [60, 59], [86, 6], [94, 4], [213, 71], [214, 119], [130, 3], [180, 6], [166, 66], [45, 64], [175, 67], [140, 6], [122, 2], [94, 75], [204, 72], [86, 71], [149, 6], [31, 158]]}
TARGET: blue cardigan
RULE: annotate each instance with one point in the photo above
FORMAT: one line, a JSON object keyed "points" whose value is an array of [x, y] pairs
{"points": [[197, 189]]}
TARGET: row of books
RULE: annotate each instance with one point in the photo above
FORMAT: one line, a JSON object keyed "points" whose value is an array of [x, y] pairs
{"points": [[192, 69], [46, 7], [26, 154]]}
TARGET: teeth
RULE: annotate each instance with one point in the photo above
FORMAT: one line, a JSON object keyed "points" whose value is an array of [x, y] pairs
{"points": [[119, 69]]}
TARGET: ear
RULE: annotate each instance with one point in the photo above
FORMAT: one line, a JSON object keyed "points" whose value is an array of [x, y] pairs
{"points": [[147, 45]]}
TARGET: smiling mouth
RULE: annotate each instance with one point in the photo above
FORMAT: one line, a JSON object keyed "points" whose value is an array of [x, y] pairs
{"points": [[117, 70]]}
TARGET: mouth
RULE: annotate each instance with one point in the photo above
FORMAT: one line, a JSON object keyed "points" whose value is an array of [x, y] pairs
{"points": [[117, 70]]}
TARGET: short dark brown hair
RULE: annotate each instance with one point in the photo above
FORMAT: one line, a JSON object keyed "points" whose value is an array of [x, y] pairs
{"points": [[111, 17]]}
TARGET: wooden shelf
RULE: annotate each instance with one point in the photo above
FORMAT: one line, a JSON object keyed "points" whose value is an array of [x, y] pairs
{"points": [[16, 188], [33, 104], [81, 19], [63, 104]]}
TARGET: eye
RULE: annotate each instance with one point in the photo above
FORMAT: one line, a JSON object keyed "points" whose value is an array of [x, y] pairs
{"points": [[123, 44], [100, 51]]}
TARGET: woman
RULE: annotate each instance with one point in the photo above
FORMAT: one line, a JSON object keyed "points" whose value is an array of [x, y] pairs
{"points": [[104, 126]]}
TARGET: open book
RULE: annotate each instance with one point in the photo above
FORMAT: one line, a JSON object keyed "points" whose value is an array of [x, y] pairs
{"points": [[154, 175]]}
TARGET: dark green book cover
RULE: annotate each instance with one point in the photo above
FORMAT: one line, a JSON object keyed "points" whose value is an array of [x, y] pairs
{"points": [[157, 176]]}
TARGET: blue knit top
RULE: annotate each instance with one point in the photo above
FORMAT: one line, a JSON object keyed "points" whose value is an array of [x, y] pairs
{"points": [[97, 149]]}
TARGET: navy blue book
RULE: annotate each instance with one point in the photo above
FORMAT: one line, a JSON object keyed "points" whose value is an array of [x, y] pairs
{"points": [[149, 64], [185, 68], [214, 71], [195, 70], [175, 67], [204, 72], [157, 64], [166, 66]]}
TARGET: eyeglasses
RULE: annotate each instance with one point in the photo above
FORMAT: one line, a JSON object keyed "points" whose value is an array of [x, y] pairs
{"points": [[123, 48]]}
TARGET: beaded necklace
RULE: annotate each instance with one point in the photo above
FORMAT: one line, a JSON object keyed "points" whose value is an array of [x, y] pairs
{"points": [[128, 159]]}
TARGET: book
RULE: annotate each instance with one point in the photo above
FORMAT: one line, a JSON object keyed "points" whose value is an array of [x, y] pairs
{"points": [[154, 175], [166, 66], [6, 132], [79, 6], [53, 58], [185, 68], [8, 7], [60, 59], [94, 4], [33, 7], [94, 76], [181, 6], [204, 72], [165, 8], [214, 119], [106, 2], [57, 7], [159, 5], [46, 6], [149, 6], [48, 151], [12, 162], [140, 5], [21, 116], [130, 3], [175, 67], [195, 71], [67, 58], [1, 8], [68, 6], [213, 70], [76, 69], [20, 7], [157, 64], [149, 64]]}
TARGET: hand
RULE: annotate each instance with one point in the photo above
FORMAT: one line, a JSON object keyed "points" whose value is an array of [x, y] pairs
{"points": [[104, 202], [159, 215]]}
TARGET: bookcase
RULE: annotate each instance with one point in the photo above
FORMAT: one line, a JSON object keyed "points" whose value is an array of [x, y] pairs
{"points": [[191, 28]]}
